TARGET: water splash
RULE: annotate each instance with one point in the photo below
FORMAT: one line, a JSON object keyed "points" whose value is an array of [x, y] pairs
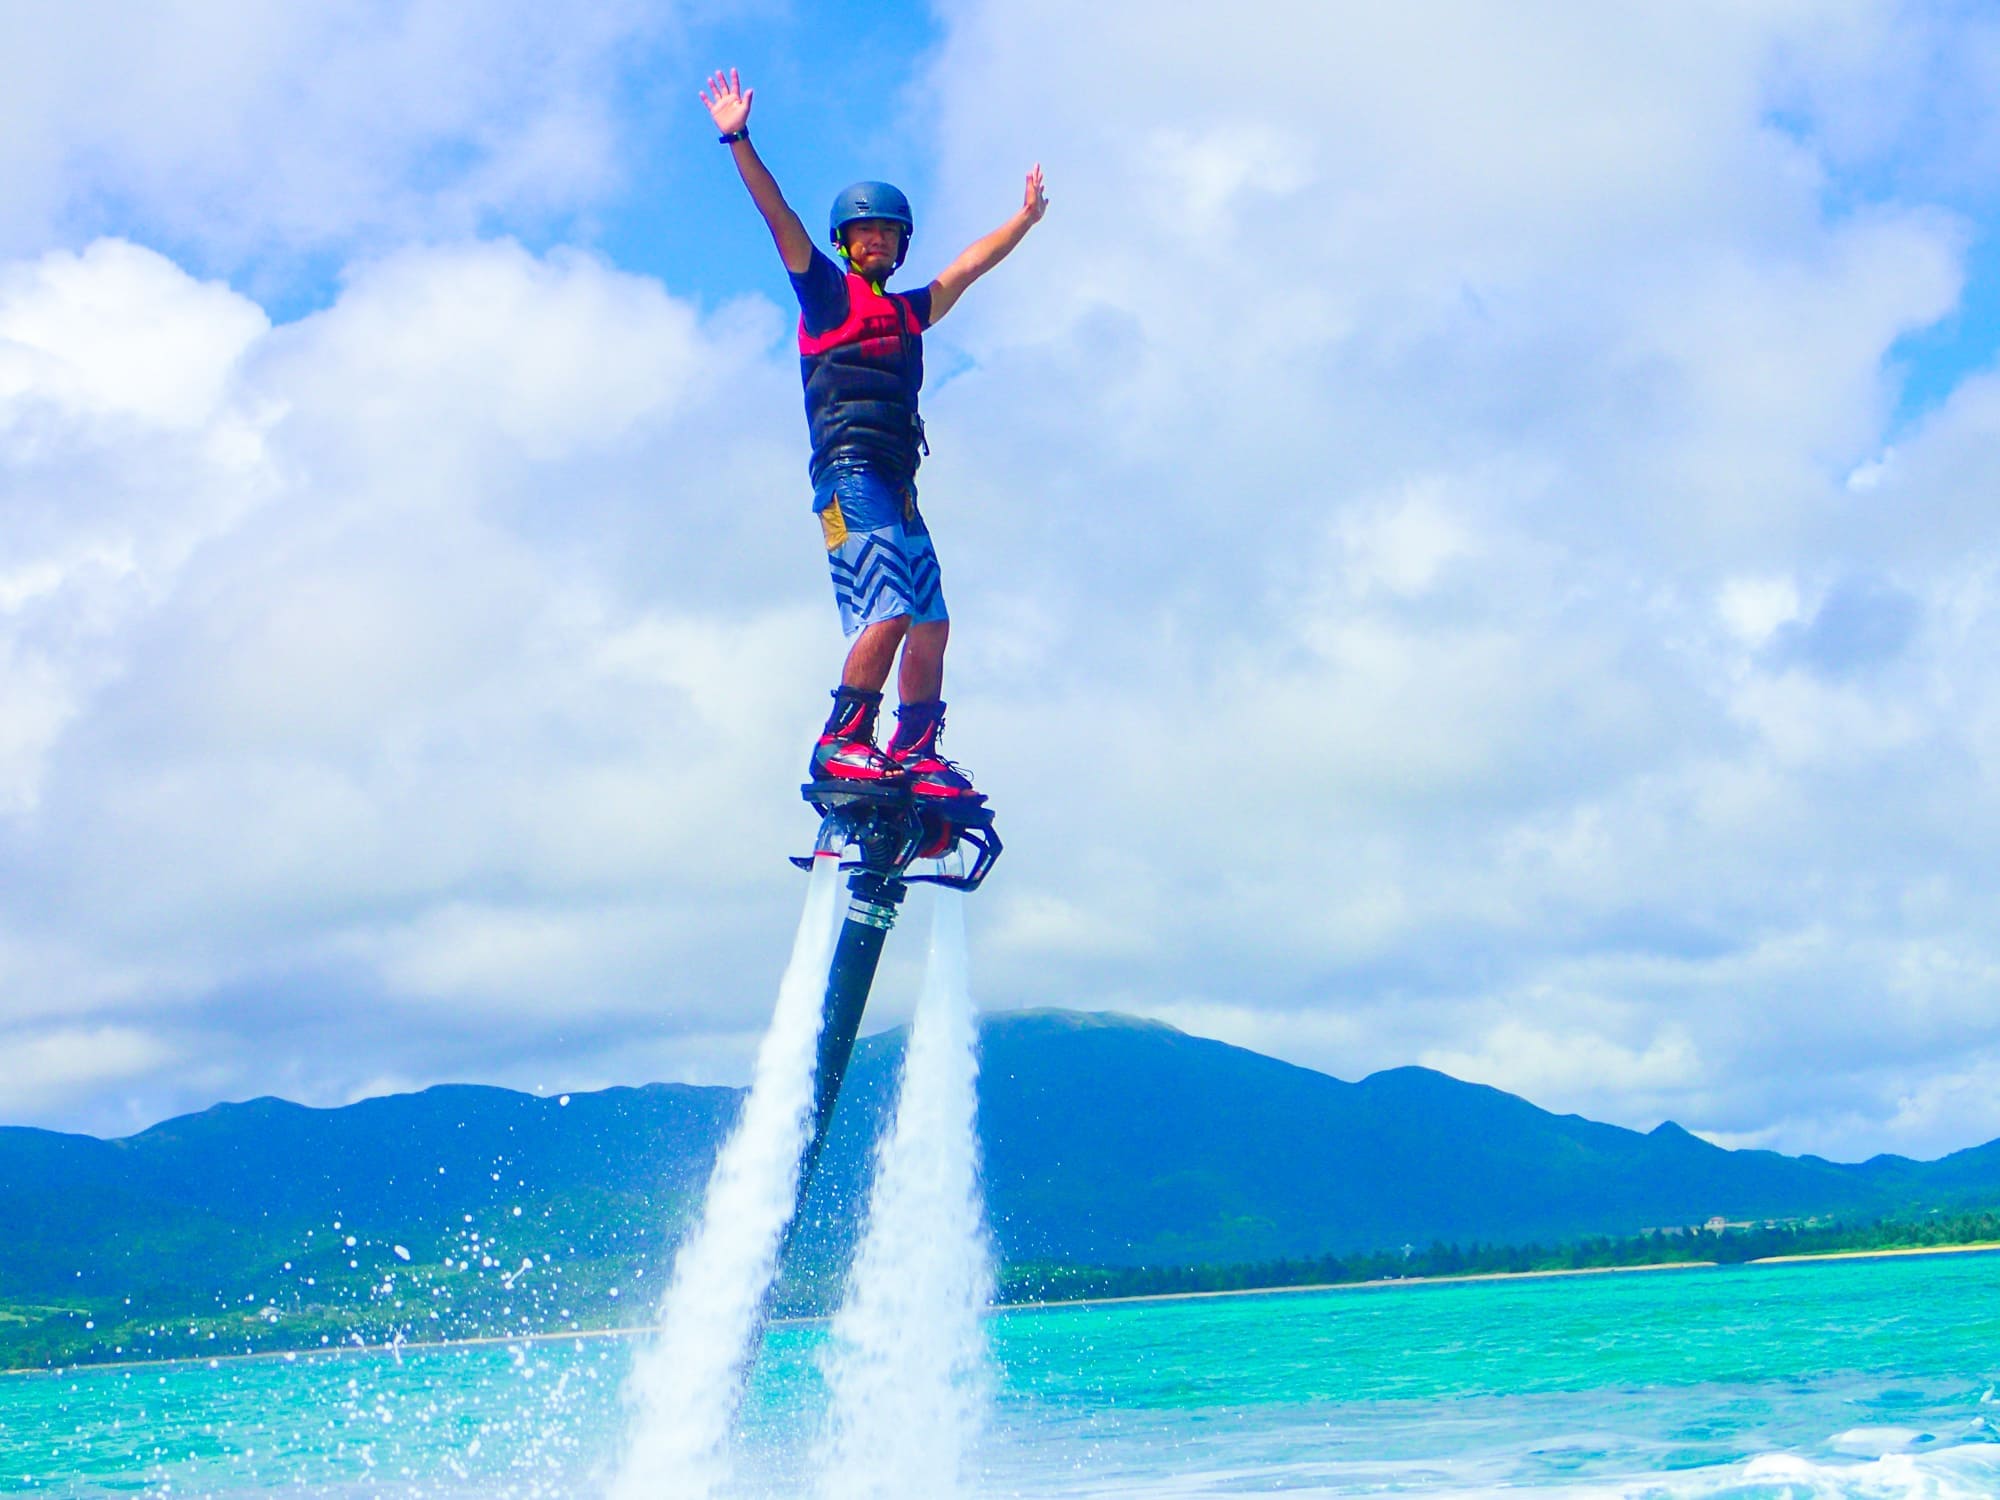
{"points": [[685, 1384], [906, 1363]]}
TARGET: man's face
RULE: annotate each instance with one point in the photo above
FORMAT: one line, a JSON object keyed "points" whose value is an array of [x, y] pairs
{"points": [[872, 246]]}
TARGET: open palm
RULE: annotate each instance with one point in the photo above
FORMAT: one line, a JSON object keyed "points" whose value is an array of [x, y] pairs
{"points": [[728, 102]]}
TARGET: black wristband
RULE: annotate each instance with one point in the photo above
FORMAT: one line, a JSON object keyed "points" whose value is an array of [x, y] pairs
{"points": [[734, 136]]}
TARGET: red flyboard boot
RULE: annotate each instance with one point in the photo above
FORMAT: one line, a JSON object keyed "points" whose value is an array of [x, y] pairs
{"points": [[915, 750], [846, 748]]}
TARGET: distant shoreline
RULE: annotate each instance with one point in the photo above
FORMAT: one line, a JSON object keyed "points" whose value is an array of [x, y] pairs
{"points": [[396, 1350], [1381, 1283], [1378, 1284], [1890, 1253]]}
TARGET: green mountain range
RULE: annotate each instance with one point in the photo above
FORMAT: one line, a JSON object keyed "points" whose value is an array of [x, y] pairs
{"points": [[1108, 1141]]}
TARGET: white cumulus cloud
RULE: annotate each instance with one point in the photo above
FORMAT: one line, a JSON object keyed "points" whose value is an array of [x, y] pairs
{"points": [[1443, 509], [385, 619], [242, 129]]}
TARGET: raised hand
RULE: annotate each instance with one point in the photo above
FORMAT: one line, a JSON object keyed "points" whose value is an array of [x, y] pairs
{"points": [[1035, 203], [986, 252], [729, 102]]}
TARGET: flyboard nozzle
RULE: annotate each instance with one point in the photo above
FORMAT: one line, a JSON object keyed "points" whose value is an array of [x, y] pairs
{"points": [[870, 914], [878, 832]]}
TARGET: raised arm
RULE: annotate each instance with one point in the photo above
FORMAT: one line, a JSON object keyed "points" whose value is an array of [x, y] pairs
{"points": [[729, 106], [982, 255]]}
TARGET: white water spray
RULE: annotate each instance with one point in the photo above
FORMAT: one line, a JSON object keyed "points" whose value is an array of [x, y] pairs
{"points": [[907, 1360], [685, 1385]]}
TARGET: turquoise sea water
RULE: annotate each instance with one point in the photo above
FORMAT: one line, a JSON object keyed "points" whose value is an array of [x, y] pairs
{"points": [[1853, 1378]]}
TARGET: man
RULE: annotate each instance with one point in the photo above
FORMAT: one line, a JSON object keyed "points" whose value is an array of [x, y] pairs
{"points": [[861, 352]]}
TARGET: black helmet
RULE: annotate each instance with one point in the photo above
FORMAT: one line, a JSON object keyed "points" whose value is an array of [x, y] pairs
{"points": [[870, 200]]}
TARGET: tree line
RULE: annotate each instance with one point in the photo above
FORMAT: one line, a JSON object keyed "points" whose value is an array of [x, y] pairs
{"points": [[1733, 1244]]}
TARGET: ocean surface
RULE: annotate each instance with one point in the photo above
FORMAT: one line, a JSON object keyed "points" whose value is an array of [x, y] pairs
{"points": [[1867, 1378]]}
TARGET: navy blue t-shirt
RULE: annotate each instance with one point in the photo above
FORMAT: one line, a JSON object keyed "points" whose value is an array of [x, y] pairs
{"points": [[822, 292]]}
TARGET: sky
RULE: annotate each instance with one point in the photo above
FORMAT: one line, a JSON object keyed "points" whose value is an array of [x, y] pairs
{"points": [[1469, 530]]}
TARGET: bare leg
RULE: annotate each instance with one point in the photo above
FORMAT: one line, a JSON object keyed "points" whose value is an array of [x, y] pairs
{"points": [[921, 717], [921, 679], [873, 652]]}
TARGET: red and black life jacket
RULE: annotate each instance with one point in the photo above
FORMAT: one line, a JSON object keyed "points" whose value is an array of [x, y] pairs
{"points": [[862, 378]]}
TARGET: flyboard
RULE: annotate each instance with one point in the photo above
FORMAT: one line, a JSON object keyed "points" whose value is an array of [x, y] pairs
{"points": [[887, 839]]}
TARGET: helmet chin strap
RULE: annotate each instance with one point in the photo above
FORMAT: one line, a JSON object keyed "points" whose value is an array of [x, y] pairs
{"points": [[876, 282]]}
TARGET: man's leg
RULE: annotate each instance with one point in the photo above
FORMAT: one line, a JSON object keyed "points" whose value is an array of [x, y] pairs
{"points": [[846, 747], [861, 520], [874, 652], [920, 719], [921, 679]]}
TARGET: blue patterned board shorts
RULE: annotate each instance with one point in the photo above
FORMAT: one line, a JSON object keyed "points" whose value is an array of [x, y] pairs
{"points": [[879, 551]]}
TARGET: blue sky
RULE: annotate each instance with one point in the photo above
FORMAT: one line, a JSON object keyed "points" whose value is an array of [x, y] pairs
{"points": [[839, 94], [1931, 362], [1468, 531], [843, 94]]}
